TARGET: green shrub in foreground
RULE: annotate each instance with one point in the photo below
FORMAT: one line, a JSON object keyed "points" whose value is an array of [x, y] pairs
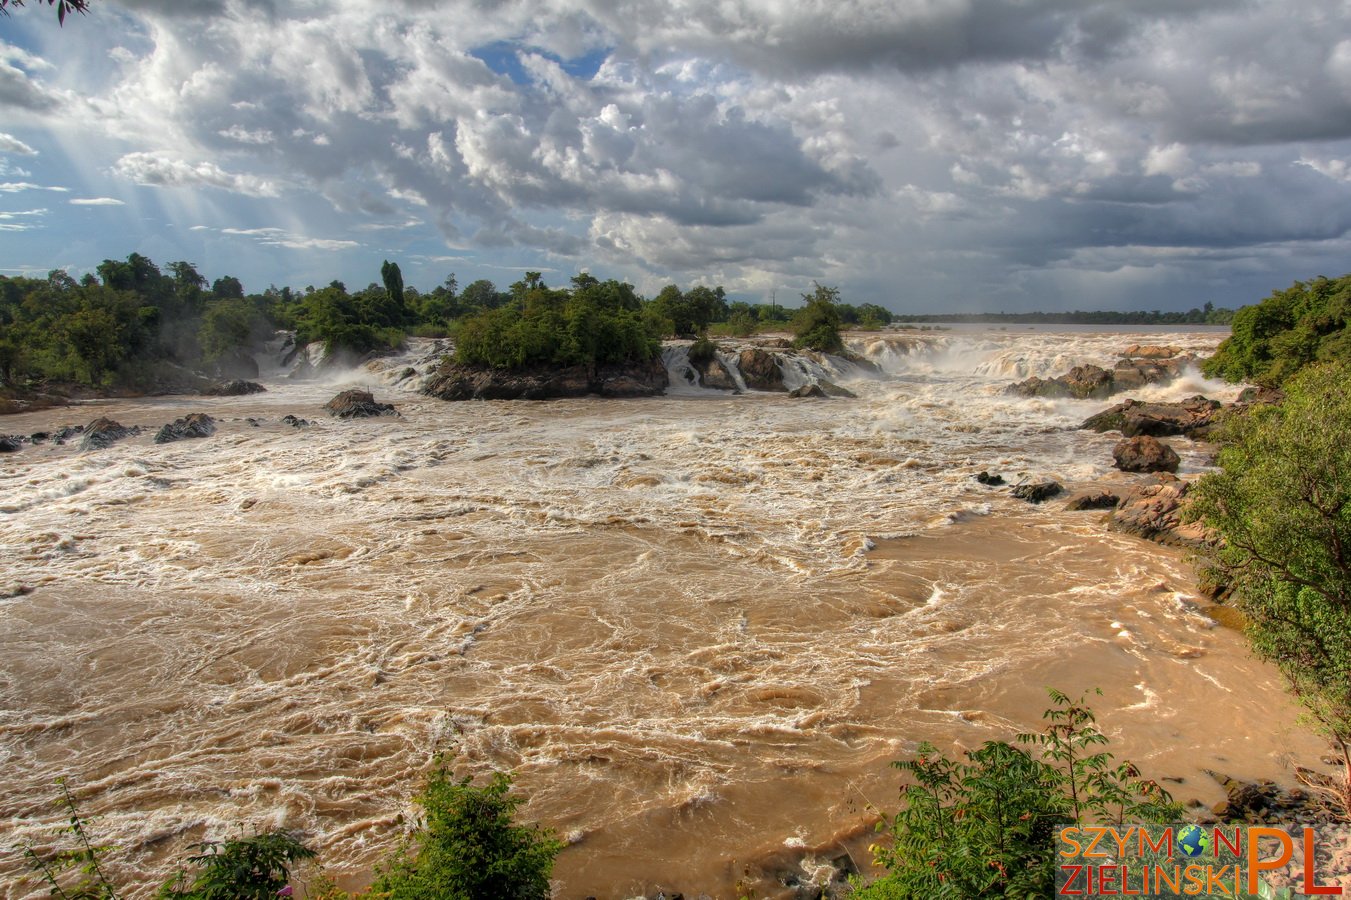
{"points": [[469, 848], [985, 828]]}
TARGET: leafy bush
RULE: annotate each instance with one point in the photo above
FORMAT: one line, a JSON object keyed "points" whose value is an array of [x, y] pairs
{"points": [[1274, 339], [252, 868], [702, 350], [985, 828], [469, 847], [1281, 502]]}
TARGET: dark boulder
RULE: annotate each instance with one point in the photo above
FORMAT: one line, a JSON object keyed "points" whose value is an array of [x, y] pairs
{"points": [[294, 422], [356, 404], [1143, 453], [66, 432], [236, 388], [455, 381], [760, 370], [1092, 498], [834, 390], [104, 432], [1037, 491], [39, 437], [10, 443], [1193, 417], [989, 480], [807, 390], [193, 425]]}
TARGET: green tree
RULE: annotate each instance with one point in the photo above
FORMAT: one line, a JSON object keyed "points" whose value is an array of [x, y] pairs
{"points": [[1274, 339], [817, 324], [469, 847], [1281, 503], [393, 279]]}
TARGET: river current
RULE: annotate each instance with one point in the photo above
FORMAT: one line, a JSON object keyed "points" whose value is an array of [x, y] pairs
{"points": [[697, 628]]}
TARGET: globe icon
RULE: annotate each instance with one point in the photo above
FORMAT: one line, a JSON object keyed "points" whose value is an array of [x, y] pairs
{"points": [[1193, 841]]}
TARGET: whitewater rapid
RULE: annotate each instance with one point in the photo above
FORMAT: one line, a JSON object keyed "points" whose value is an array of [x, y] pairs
{"points": [[696, 627]]}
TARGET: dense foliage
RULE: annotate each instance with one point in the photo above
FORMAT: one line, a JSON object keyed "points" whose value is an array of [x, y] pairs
{"points": [[817, 324], [592, 324], [470, 848], [985, 828], [1274, 339], [1281, 502]]}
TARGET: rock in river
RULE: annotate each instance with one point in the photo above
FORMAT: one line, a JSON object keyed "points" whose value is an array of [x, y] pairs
{"points": [[1143, 453], [104, 432], [193, 425], [358, 405]]}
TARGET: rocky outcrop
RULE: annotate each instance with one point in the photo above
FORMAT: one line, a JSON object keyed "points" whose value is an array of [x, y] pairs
{"points": [[1143, 453], [455, 381], [1151, 351], [1154, 510], [358, 405], [1092, 498], [236, 388], [1080, 383], [1139, 366], [760, 370], [1193, 417], [1037, 491], [193, 425], [1258, 395], [104, 432], [713, 374]]}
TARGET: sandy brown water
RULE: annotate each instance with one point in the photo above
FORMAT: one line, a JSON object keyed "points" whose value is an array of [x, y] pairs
{"points": [[696, 628]]}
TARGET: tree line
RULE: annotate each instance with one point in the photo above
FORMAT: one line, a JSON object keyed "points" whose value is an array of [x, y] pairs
{"points": [[131, 324]]}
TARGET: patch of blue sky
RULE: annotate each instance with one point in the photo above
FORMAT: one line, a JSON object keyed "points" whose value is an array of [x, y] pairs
{"points": [[504, 58]]}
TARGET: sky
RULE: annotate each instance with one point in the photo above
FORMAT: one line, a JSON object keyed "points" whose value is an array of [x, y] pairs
{"points": [[927, 155]]}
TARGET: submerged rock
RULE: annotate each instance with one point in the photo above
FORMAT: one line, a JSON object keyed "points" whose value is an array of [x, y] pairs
{"points": [[1143, 453], [1193, 417], [193, 425], [834, 390], [104, 432], [807, 390], [1092, 498], [358, 405], [10, 443], [294, 422], [1037, 491], [235, 388], [989, 480]]}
